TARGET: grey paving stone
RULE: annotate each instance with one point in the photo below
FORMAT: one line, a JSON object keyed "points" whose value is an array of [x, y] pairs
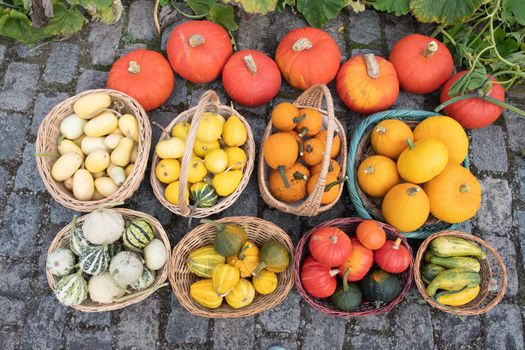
{"points": [[2, 53], [13, 128], [193, 330], [411, 320], [268, 341], [9, 340], [507, 250], [103, 40], [337, 29], [364, 28], [12, 310], [285, 317], [488, 149], [90, 319], [88, 340], [285, 21], [62, 63], [233, 333], [337, 211], [15, 280], [44, 102], [258, 125], [27, 177], [371, 341], [91, 79], [397, 27], [520, 162], [246, 203], [20, 217], [372, 323], [143, 317], [458, 333], [494, 215], [519, 218], [4, 178], [45, 323], [291, 224], [515, 130], [20, 84], [24, 51], [141, 27], [166, 35], [61, 215], [262, 41], [356, 52], [179, 96], [503, 328], [147, 202], [131, 47], [323, 332], [406, 100]]}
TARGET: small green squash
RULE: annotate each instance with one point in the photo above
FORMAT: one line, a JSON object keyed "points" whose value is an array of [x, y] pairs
{"points": [[72, 289], [77, 240], [379, 285], [94, 260], [114, 248], [146, 279], [61, 262], [348, 297], [138, 234], [203, 195], [273, 257], [202, 261], [230, 238], [453, 279], [430, 271]]}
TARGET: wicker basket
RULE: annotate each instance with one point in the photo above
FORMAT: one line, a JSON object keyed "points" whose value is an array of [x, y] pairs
{"points": [[46, 143], [367, 308], [209, 102], [62, 240], [361, 148], [259, 231], [491, 292], [311, 206]]}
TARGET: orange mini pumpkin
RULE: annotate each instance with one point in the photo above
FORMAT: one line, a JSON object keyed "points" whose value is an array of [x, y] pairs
{"points": [[331, 189], [336, 143], [297, 138], [389, 137], [280, 152], [376, 175], [311, 124], [297, 176], [333, 168], [285, 116], [313, 151]]}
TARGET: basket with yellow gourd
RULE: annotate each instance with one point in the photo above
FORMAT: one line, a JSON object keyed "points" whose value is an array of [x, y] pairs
{"points": [[303, 155], [232, 267], [203, 160]]}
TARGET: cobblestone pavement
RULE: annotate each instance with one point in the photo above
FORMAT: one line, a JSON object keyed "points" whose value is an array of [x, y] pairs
{"points": [[32, 81]]}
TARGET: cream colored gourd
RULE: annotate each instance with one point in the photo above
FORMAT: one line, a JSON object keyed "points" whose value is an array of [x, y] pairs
{"points": [[125, 268], [100, 174], [121, 155], [97, 196], [129, 126], [134, 153], [112, 140], [129, 169], [155, 254], [170, 148], [72, 127], [83, 185], [103, 124], [105, 186], [68, 183], [67, 146], [66, 166], [90, 144], [118, 175], [97, 161], [103, 226], [103, 289], [86, 106]]}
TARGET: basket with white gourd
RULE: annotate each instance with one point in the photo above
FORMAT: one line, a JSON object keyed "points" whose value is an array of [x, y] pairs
{"points": [[107, 260]]}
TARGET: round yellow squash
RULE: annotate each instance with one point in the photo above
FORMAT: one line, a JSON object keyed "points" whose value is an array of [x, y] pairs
{"points": [[209, 128], [422, 160], [202, 292], [406, 207], [389, 137], [376, 175], [448, 131], [247, 260], [265, 282], [241, 295], [455, 194], [224, 278]]}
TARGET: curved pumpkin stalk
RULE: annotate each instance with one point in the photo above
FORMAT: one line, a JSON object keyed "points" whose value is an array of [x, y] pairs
{"points": [[156, 15]]}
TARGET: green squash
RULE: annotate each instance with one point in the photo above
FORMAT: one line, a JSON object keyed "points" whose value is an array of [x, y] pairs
{"points": [[201, 261], [114, 248], [229, 239], [146, 279], [430, 271], [138, 234], [273, 257], [348, 297], [77, 240], [72, 289], [203, 195], [94, 260], [379, 285]]}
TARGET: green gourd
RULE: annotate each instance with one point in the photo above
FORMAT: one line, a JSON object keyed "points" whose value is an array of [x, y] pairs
{"points": [[146, 279], [457, 262], [273, 257], [348, 297], [430, 271], [138, 234], [203, 195], [229, 239], [72, 289], [61, 262], [114, 248], [448, 246], [379, 285], [77, 240], [202, 261], [453, 279], [94, 260]]}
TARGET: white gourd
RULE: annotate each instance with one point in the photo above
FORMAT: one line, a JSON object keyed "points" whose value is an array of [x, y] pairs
{"points": [[125, 268], [155, 254], [103, 226], [61, 262], [72, 126], [103, 289]]}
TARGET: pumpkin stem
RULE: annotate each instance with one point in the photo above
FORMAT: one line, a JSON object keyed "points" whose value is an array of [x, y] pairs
{"points": [[219, 226], [250, 64], [241, 255], [282, 169], [397, 244], [303, 132], [302, 44], [299, 118], [330, 167], [47, 155], [334, 183], [345, 280], [134, 67], [380, 130], [196, 40], [464, 188], [301, 148], [309, 148], [410, 143], [262, 265], [372, 67], [299, 176], [335, 272], [369, 170], [412, 191], [431, 49]]}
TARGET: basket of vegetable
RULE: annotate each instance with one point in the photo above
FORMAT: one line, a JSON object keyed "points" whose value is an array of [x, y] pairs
{"points": [[303, 155], [107, 260], [203, 160], [455, 273], [93, 148], [232, 267], [373, 260], [410, 169]]}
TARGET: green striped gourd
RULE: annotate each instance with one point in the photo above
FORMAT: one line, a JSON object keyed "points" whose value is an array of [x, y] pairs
{"points": [[72, 289], [138, 234], [201, 261], [61, 262], [77, 240], [114, 248], [146, 279], [94, 260], [203, 195]]}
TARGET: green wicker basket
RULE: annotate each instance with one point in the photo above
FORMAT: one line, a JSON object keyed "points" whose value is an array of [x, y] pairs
{"points": [[360, 148]]}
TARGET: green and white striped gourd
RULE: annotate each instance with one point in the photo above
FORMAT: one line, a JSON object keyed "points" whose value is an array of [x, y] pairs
{"points": [[94, 260], [61, 262], [114, 248], [146, 279], [203, 195], [77, 240], [72, 289], [138, 234]]}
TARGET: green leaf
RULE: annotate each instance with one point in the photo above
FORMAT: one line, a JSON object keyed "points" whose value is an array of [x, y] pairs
{"points": [[508, 46], [397, 7], [281, 4], [356, 5], [514, 11], [444, 11], [317, 13], [14, 24], [64, 21], [224, 16], [201, 7], [255, 6]]}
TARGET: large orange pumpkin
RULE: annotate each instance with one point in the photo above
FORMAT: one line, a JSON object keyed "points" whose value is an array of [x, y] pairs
{"points": [[251, 78], [145, 75], [422, 63], [367, 84], [308, 56], [198, 50]]}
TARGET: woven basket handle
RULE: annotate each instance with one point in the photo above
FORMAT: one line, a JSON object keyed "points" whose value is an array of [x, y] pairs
{"points": [[209, 101]]}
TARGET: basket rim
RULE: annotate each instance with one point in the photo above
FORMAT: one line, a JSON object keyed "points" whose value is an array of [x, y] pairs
{"points": [[458, 310], [179, 253], [161, 275], [352, 184], [132, 182], [301, 252]]}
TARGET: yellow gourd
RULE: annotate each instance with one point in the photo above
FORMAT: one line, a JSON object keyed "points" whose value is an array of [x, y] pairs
{"points": [[247, 260], [112, 140], [196, 170], [172, 193], [202, 292], [234, 132], [201, 261], [236, 158], [105, 186], [66, 146], [90, 144], [241, 295], [224, 278], [227, 182], [129, 126], [201, 148], [121, 155], [167, 170], [170, 148], [265, 282], [103, 124], [458, 298], [83, 185], [422, 160], [66, 166], [87, 105], [216, 161], [209, 128], [181, 130], [129, 169], [389, 137], [97, 161]]}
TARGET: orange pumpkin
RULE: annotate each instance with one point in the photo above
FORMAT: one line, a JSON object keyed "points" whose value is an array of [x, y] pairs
{"points": [[406, 207], [370, 233], [311, 124], [376, 175], [285, 116], [331, 189], [367, 84], [422, 160], [389, 137], [280, 152], [297, 176], [313, 151], [336, 143], [333, 168], [308, 56], [358, 263], [298, 139], [455, 194]]}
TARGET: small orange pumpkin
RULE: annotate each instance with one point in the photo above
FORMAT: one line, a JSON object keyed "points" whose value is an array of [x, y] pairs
{"points": [[336, 143], [311, 124], [333, 168], [389, 137], [285, 116], [376, 175], [331, 189], [406, 207], [298, 139], [280, 152], [297, 176], [313, 151]]}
